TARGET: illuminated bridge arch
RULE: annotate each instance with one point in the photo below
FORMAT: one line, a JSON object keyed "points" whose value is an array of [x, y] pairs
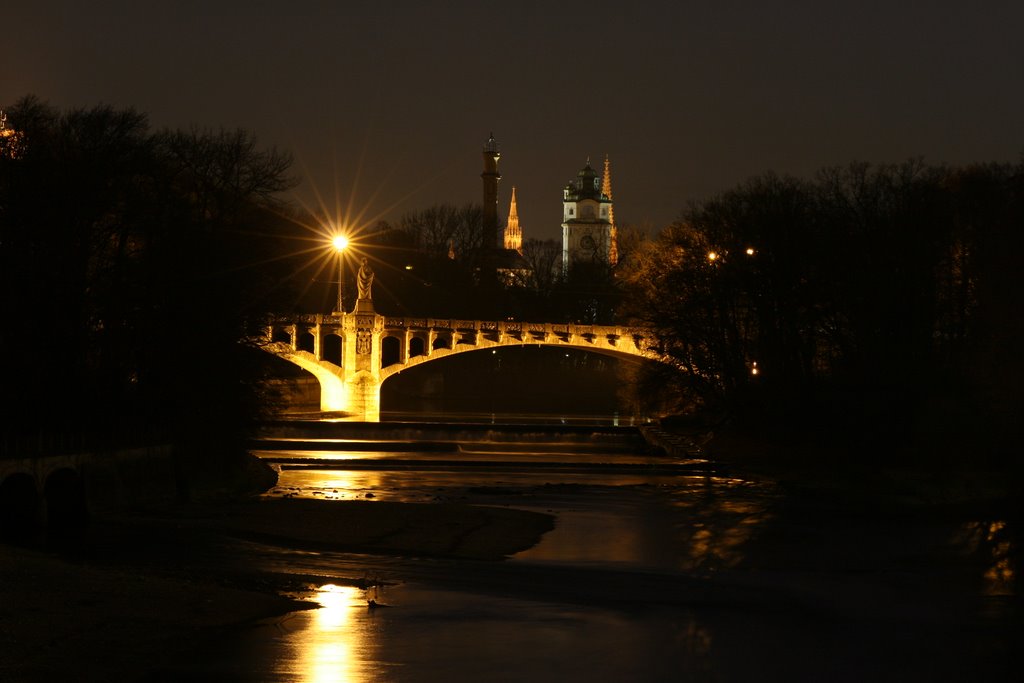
{"points": [[422, 341], [375, 347]]}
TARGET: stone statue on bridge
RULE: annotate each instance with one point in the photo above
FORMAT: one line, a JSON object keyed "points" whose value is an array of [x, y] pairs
{"points": [[364, 283]]}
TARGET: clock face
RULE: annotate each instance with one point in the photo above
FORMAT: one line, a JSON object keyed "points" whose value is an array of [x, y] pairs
{"points": [[587, 243]]}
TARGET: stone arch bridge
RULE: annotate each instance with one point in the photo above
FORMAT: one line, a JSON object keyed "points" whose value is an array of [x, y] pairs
{"points": [[352, 354], [48, 488]]}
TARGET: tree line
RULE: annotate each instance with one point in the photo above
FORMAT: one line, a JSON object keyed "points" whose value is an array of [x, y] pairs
{"points": [[867, 302], [125, 262]]}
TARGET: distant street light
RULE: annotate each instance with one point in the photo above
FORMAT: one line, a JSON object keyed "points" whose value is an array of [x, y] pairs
{"points": [[340, 243]]}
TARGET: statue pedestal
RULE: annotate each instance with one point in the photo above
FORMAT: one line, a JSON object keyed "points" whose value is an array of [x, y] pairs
{"points": [[364, 306]]}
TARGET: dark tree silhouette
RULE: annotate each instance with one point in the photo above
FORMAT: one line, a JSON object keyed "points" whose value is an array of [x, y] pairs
{"points": [[444, 228], [127, 255], [874, 300]]}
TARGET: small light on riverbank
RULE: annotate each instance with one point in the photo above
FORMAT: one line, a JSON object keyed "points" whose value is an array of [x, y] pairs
{"points": [[753, 368]]}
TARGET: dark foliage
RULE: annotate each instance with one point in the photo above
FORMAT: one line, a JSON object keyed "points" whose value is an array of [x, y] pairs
{"points": [[875, 301], [125, 258]]}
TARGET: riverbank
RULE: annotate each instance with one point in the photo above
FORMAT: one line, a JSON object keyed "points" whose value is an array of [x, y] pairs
{"points": [[62, 619], [136, 593], [149, 587], [877, 476]]}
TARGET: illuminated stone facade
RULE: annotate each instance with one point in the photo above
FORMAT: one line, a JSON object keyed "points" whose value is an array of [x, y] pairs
{"points": [[588, 233]]}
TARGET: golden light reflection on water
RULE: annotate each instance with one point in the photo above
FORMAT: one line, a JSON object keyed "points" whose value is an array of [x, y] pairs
{"points": [[720, 525], [1000, 575], [348, 483], [991, 542], [329, 652], [328, 484]]}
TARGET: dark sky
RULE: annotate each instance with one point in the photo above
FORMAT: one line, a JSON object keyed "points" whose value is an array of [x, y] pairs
{"points": [[385, 105]]}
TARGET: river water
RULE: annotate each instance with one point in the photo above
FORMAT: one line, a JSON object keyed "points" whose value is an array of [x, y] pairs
{"points": [[657, 570]]}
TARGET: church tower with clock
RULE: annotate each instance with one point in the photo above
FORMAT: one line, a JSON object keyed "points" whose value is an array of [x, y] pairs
{"points": [[588, 230]]}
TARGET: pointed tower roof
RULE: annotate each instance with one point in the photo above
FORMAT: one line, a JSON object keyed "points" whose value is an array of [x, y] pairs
{"points": [[585, 186], [606, 188], [513, 212], [491, 145], [513, 233]]}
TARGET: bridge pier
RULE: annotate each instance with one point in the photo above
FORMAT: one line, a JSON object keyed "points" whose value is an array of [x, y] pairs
{"points": [[353, 388], [364, 397]]}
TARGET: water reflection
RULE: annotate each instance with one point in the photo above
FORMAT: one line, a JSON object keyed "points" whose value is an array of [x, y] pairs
{"points": [[329, 649], [721, 515], [611, 530], [992, 543], [685, 523], [328, 484], [692, 524], [432, 635], [1001, 575]]}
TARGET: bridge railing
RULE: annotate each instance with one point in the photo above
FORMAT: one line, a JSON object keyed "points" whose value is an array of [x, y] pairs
{"points": [[598, 335]]}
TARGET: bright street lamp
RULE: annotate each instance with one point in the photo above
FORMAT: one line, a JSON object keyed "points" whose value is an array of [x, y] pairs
{"points": [[340, 243]]}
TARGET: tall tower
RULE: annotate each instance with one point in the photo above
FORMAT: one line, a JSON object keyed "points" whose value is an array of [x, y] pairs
{"points": [[606, 190], [491, 177], [513, 233], [586, 225]]}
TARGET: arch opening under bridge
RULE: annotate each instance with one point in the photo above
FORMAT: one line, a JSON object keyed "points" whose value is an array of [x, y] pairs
{"points": [[534, 382]]}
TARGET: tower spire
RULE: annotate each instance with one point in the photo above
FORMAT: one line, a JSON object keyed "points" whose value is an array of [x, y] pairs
{"points": [[513, 233], [606, 190]]}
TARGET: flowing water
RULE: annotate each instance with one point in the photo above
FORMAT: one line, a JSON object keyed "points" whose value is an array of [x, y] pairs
{"points": [[657, 570]]}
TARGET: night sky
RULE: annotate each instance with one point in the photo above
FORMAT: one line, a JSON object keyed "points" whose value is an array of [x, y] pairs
{"points": [[385, 105]]}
